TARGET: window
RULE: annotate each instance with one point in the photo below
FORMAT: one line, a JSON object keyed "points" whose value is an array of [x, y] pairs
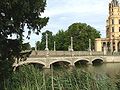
{"points": [[113, 36], [104, 43], [113, 48], [119, 29], [112, 21], [112, 29], [112, 9], [119, 21]]}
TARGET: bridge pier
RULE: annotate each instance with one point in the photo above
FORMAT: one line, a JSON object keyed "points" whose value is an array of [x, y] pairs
{"points": [[71, 66], [47, 67], [46, 70], [90, 63]]}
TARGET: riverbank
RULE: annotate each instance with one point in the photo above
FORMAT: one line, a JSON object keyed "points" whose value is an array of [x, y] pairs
{"points": [[30, 77]]}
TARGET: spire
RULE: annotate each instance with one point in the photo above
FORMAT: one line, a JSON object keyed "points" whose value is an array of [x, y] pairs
{"points": [[114, 3]]}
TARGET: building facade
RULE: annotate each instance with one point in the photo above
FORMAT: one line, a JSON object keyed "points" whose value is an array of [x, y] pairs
{"points": [[112, 41]]}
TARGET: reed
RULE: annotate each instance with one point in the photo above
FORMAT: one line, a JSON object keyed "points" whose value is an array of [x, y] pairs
{"points": [[29, 77]]}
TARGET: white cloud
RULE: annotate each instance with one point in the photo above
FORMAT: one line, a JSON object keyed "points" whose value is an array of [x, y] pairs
{"points": [[63, 13], [75, 6]]}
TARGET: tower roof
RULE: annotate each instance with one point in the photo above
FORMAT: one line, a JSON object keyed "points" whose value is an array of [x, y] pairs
{"points": [[114, 3]]}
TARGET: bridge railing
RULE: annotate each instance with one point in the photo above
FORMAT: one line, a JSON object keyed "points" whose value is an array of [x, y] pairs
{"points": [[63, 53], [71, 53]]}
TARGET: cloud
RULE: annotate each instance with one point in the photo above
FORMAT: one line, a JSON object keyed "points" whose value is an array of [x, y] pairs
{"points": [[63, 13], [56, 7]]}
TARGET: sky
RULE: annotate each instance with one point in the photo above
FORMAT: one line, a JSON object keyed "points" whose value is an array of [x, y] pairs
{"points": [[63, 13]]}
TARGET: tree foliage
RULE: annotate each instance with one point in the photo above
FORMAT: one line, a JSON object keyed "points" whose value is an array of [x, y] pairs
{"points": [[61, 40], [37, 45], [26, 46], [41, 45], [14, 16], [81, 33]]}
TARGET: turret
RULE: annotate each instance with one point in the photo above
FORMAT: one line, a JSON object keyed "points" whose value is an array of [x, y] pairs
{"points": [[114, 3], [112, 40], [113, 24]]}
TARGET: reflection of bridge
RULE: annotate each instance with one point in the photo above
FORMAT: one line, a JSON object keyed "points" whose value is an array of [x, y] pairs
{"points": [[46, 59]]}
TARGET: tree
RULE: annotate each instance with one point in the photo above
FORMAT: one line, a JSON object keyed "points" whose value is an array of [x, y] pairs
{"points": [[14, 16], [43, 41], [38, 45], [26, 46], [81, 34], [61, 40], [33, 48]]}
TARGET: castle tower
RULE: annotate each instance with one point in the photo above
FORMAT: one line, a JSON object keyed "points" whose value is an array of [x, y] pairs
{"points": [[113, 25], [112, 40]]}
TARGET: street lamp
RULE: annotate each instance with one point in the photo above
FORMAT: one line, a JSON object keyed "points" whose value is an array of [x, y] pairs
{"points": [[35, 46], [46, 48], [72, 44], [54, 46], [90, 46]]}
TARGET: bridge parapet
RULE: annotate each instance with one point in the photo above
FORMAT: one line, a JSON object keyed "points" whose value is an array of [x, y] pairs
{"points": [[63, 53]]}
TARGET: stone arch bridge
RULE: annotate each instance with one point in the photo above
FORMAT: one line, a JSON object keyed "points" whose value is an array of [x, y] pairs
{"points": [[46, 59]]}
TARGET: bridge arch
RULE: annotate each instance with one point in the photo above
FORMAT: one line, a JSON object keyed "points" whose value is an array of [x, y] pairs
{"points": [[29, 62], [97, 60], [81, 61], [60, 61]]}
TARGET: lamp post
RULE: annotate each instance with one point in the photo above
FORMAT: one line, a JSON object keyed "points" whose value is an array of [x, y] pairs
{"points": [[46, 48], [72, 44], [90, 46], [35, 46], [54, 46]]}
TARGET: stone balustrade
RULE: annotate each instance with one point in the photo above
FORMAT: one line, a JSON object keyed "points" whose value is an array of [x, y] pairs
{"points": [[63, 53]]}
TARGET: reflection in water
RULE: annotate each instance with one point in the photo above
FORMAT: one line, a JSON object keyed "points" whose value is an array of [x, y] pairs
{"points": [[81, 64], [111, 69], [97, 62]]}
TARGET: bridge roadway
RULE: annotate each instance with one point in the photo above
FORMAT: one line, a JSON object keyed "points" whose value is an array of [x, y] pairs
{"points": [[46, 59]]}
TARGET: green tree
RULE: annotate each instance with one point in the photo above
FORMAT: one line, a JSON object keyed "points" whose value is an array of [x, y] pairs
{"points": [[81, 33], [38, 45], [26, 46], [50, 40], [32, 48], [61, 40], [14, 16]]}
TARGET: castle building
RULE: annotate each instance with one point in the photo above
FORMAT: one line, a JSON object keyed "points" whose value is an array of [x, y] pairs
{"points": [[112, 41]]}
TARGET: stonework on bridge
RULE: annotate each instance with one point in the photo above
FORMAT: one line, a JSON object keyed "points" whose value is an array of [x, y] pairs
{"points": [[40, 57]]}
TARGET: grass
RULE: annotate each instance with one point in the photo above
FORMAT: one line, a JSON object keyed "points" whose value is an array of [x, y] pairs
{"points": [[31, 78]]}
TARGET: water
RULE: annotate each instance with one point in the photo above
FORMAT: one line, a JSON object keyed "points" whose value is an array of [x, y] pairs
{"points": [[111, 69]]}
